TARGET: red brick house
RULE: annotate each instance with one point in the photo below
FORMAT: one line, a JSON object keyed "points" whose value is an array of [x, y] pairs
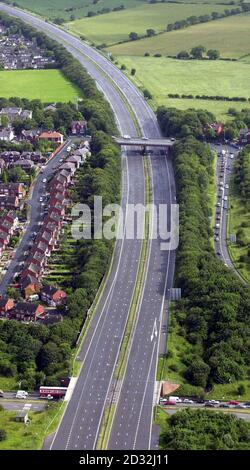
{"points": [[12, 189], [47, 238], [9, 202], [30, 286], [217, 127], [53, 296], [42, 247], [5, 305], [27, 312], [32, 270], [37, 258], [52, 136]]}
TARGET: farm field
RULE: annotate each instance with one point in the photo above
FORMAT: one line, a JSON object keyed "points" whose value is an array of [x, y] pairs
{"points": [[114, 27], [79, 8], [46, 85], [162, 76], [230, 35]]}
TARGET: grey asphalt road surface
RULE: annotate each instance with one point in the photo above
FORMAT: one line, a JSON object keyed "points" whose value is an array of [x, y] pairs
{"points": [[133, 419], [35, 218], [224, 169], [19, 405], [80, 425]]}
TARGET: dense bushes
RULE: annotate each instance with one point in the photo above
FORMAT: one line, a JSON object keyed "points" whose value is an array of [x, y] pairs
{"points": [[214, 311], [205, 430]]}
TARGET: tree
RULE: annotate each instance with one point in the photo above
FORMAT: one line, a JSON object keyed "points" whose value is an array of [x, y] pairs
{"points": [[78, 303], [241, 389], [123, 67], [4, 121], [183, 55], [213, 54], [197, 52], [185, 431], [133, 72], [150, 32], [133, 36], [197, 372], [147, 94], [3, 435], [17, 174]]}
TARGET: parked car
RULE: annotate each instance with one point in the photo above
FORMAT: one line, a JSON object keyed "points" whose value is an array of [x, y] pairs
{"points": [[169, 402], [188, 401], [210, 405], [1, 394], [224, 405], [233, 402]]}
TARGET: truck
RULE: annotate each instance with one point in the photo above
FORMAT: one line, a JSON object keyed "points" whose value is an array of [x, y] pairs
{"points": [[175, 399], [55, 392]]}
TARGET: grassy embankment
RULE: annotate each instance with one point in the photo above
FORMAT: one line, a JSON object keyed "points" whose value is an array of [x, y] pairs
{"points": [[29, 437]]}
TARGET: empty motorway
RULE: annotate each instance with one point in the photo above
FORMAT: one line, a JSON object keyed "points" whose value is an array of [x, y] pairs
{"points": [[80, 425]]}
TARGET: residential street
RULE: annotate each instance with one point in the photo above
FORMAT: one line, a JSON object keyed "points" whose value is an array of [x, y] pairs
{"points": [[35, 217]]}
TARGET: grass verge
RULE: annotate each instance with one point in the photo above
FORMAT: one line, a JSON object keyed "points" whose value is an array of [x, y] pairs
{"points": [[29, 437]]}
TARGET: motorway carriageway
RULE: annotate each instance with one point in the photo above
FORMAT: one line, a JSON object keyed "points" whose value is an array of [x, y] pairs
{"points": [[80, 425]]}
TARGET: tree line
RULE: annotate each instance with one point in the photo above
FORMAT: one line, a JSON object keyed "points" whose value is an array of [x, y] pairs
{"points": [[185, 431], [213, 314], [209, 97]]}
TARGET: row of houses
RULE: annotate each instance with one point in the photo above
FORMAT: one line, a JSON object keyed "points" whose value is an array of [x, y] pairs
{"points": [[29, 311], [12, 158], [11, 196], [18, 53], [8, 225], [47, 237], [15, 113]]}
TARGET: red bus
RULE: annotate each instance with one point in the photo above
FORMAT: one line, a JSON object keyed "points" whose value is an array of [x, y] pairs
{"points": [[55, 392]]}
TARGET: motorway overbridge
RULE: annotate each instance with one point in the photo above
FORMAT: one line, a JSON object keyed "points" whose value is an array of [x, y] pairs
{"points": [[144, 143]]}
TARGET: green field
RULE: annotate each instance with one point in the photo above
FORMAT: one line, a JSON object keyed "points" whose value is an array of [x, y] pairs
{"points": [[47, 85], [162, 76], [115, 27], [80, 8], [230, 35]]}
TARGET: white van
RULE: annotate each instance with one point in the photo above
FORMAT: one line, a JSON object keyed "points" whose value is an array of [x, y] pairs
{"points": [[175, 399], [21, 394]]}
